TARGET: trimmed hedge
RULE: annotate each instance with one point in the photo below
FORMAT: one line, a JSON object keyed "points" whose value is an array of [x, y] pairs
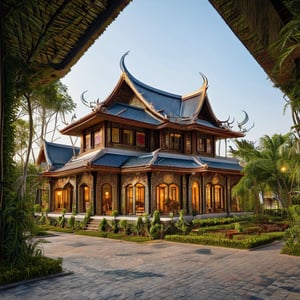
{"points": [[222, 221], [115, 236], [38, 267], [247, 243]]}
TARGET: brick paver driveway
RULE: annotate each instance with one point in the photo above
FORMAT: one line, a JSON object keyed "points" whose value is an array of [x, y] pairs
{"points": [[110, 269]]}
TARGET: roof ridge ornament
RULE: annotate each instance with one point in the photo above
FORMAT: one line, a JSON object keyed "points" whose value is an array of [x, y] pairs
{"points": [[202, 90], [94, 105], [244, 122], [122, 62]]}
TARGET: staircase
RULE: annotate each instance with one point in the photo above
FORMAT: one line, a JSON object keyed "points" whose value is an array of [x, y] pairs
{"points": [[92, 225]]}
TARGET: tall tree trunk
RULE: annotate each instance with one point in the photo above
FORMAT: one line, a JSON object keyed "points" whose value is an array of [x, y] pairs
{"points": [[25, 169], [43, 125], [55, 125]]}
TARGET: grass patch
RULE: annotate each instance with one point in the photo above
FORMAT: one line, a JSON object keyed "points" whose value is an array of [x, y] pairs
{"points": [[116, 236], [45, 228], [37, 267]]}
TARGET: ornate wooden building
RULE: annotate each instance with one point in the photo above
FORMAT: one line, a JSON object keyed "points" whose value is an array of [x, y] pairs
{"points": [[144, 149]]}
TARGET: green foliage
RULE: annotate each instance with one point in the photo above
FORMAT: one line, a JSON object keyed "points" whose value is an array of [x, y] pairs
{"points": [[155, 218], [43, 220], [87, 217], [56, 228], [292, 241], [139, 225], [215, 240], [115, 222], [292, 234], [36, 267], [284, 48], [37, 208], [222, 221], [103, 225], [111, 235], [272, 166], [238, 227], [61, 221], [181, 224], [156, 229], [71, 222], [114, 213], [18, 227], [126, 226], [115, 226]]}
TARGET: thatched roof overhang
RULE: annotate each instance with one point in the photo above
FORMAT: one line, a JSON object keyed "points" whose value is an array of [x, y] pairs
{"points": [[257, 25], [48, 37]]}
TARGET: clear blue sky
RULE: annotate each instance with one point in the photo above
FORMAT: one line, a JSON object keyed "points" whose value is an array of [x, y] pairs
{"points": [[170, 42]]}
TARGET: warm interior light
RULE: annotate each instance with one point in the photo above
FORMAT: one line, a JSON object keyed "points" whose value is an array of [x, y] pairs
{"points": [[283, 169]]}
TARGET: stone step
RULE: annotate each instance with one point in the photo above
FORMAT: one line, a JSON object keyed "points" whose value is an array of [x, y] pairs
{"points": [[93, 225]]}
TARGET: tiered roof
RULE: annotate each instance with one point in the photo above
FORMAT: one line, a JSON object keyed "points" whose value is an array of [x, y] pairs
{"points": [[120, 160], [136, 103]]}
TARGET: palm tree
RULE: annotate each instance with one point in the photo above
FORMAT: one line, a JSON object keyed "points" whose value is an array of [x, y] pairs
{"points": [[268, 167]]}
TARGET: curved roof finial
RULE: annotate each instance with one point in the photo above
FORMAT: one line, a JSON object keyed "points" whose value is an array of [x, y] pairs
{"points": [[122, 62], [205, 81]]}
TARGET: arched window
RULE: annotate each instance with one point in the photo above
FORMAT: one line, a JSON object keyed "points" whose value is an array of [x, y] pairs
{"points": [[195, 197], [139, 198], [106, 198], [161, 196], [129, 199], [58, 200], [167, 198]]}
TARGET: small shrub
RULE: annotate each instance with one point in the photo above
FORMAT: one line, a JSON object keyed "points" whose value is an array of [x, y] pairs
{"points": [[37, 208], [292, 241], [139, 226], [181, 224], [115, 225], [71, 222], [156, 228], [124, 224], [103, 225], [238, 227], [61, 221]]}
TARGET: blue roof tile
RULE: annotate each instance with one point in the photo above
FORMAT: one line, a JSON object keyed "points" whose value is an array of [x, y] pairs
{"points": [[132, 113], [176, 162], [58, 155], [221, 163], [111, 160]]}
